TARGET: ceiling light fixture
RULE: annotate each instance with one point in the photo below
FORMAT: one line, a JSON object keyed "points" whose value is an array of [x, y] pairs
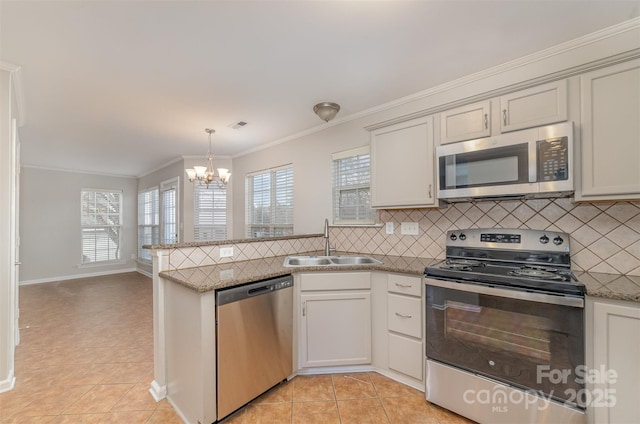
{"points": [[205, 174], [326, 110]]}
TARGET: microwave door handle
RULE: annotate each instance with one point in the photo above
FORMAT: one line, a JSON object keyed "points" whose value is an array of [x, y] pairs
{"points": [[533, 163]]}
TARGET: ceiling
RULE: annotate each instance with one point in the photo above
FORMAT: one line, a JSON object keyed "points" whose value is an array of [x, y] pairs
{"points": [[124, 87]]}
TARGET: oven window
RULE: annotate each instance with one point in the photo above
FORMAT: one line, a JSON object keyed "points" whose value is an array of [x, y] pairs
{"points": [[506, 339], [522, 334], [498, 166]]}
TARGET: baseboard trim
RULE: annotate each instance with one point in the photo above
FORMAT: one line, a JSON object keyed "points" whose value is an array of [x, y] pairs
{"points": [[8, 383], [157, 391], [145, 273], [76, 276], [335, 370]]}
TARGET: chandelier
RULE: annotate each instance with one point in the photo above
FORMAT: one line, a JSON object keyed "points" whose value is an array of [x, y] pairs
{"points": [[205, 174]]}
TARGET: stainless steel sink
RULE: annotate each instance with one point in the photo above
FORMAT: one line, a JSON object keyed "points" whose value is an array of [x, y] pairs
{"points": [[309, 261]]}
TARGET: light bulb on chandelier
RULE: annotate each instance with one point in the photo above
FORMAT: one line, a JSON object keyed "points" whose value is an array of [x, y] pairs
{"points": [[205, 175]]}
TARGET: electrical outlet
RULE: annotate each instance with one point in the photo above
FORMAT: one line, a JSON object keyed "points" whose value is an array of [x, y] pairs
{"points": [[226, 252], [409, 228], [389, 227]]}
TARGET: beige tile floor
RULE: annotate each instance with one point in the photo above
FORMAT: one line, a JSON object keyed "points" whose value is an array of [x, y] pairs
{"points": [[86, 356]]}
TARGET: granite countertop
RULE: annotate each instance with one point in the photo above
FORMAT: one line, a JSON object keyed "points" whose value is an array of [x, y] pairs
{"points": [[214, 277]]}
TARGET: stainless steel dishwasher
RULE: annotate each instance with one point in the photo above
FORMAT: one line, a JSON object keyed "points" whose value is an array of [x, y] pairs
{"points": [[254, 340]]}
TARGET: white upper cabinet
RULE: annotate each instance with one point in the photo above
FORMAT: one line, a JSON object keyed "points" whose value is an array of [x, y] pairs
{"points": [[610, 148], [402, 165], [541, 105], [466, 122]]}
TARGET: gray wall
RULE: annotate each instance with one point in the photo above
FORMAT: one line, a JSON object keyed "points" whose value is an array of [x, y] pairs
{"points": [[50, 235]]}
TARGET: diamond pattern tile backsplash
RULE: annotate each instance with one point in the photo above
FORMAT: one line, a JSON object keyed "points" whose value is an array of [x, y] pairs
{"points": [[189, 257], [605, 237]]}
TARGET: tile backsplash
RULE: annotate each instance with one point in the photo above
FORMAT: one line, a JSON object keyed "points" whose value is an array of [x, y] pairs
{"points": [[605, 237]]}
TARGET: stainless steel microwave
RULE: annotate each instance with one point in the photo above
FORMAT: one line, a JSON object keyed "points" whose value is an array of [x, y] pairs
{"points": [[537, 162]]}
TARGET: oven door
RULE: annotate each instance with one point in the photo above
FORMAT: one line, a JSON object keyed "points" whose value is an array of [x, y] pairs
{"points": [[528, 340]]}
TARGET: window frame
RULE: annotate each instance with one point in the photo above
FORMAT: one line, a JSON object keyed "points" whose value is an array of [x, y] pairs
{"points": [[368, 215], [273, 229], [155, 234], [84, 217]]}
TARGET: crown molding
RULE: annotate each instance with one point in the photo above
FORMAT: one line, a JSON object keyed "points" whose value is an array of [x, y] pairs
{"points": [[612, 31], [76, 171], [18, 89]]}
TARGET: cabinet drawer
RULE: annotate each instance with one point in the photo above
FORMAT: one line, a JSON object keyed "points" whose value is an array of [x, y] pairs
{"points": [[402, 284], [405, 355], [404, 315], [335, 281]]}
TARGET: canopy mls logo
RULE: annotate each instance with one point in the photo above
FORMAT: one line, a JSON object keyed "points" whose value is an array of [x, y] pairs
{"points": [[500, 398]]}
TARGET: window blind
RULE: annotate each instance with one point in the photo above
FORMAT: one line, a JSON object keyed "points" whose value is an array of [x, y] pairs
{"points": [[210, 213], [169, 222], [148, 222], [100, 220], [270, 202], [352, 187]]}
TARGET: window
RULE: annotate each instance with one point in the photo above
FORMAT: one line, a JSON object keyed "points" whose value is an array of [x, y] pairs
{"points": [[210, 213], [148, 222], [100, 218], [351, 187], [169, 211], [270, 203]]}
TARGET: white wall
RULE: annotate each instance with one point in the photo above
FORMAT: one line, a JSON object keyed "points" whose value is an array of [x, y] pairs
{"points": [[50, 224], [7, 258]]}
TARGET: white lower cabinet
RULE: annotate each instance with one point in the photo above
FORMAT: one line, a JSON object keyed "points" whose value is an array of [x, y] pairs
{"points": [[613, 361], [398, 327], [335, 321], [405, 355]]}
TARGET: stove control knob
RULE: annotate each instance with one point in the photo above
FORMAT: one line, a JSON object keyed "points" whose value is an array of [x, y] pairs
{"points": [[463, 236], [558, 241], [453, 237], [544, 239]]}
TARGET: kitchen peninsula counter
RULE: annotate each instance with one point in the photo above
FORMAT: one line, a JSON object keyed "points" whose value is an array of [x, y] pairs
{"points": [[214, 277]]}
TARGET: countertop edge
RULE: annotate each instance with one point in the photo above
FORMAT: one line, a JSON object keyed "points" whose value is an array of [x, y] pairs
{"points": [[210, 278]]}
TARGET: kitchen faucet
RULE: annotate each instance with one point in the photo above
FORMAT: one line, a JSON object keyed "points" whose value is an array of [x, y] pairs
{"points": [[327, 247]]}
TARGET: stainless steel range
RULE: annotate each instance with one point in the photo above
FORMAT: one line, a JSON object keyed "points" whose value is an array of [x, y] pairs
{"points": [[505, 328]]}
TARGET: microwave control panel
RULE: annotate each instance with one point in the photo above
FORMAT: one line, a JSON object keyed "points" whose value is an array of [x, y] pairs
{"points": [[553, 159]]}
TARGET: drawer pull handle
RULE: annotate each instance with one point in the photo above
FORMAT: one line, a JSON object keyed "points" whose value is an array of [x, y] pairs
{"points": [[504, 116], [486, 121], [404, 286], [398, 314]]}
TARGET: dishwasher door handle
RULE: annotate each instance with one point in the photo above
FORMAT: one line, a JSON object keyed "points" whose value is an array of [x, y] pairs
{"points": [[259, 290]]}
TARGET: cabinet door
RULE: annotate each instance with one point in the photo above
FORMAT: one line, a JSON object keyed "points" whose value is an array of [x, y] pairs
{"points": [[335, 329], [610, 148], [541, 105], [616, 347], [466, 122], [402, 165]]}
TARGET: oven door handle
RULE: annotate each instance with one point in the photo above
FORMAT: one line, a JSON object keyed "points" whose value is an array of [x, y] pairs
{"points": [[575, 302]]}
